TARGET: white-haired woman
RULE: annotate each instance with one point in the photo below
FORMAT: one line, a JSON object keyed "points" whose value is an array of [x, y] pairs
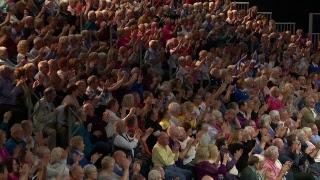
{"points": [[57, 167], [272, 170], [154, 175], [90, 172]]}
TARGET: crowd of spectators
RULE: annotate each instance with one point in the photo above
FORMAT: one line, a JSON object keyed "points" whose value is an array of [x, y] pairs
{"points": [[160, 89]]}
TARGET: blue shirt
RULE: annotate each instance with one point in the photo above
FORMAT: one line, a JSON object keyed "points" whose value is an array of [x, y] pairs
{"points": [[313, 68], [315, 139], [8, 92], [239, 95], [11, 145]]}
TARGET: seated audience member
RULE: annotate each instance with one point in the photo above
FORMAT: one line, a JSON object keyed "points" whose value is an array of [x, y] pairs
{"points": [[164, 156], [252, 171], [203, 167]]}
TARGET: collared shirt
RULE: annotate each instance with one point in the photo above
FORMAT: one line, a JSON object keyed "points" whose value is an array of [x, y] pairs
{"points": [[163, 156], [125, 142], [272, 168], [44, 113]]}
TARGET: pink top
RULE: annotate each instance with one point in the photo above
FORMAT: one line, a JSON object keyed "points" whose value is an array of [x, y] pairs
{"points": [[270, 166], [123, 40], [274, 103], [167, 32], [13, 176], [4, 155]]}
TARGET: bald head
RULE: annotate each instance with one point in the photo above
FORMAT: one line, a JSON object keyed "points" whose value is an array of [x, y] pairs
{"points": [[119, 156], [163, 139], [279, 143], [207, 178]]}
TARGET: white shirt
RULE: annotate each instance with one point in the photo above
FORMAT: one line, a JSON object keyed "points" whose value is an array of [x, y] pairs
{"points": [[191, 154], [112, 119]]}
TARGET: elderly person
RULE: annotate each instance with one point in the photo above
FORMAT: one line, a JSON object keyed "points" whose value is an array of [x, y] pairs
{"points": [[164, 156], [107, 172], [251, 172], [121, 161], [71, 98], [111, 117], [76, 172], [8, 91], [57, 167], [90, 172], [271, 168], [16, 140], [76, 151], [275, 119], [315, 138], [123, 141], [152, 56], [154, 175], [308, 114], [4, 59], [45, 116], [204, 167]]}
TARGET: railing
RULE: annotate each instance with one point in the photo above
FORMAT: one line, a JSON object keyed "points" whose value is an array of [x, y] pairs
{"points": [[286, 26], [315, 38], [314, 20], [242, 5], [266, 14], [314, 29]]}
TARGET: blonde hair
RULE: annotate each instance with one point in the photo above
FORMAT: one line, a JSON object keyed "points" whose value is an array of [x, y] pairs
{"points": [[75, 142], [89, 169], [106, 162], [154, 175], [127, 100], [56, 154], [213, 152], [235, 137], [202, 153], [173, 108], [22, 46]]}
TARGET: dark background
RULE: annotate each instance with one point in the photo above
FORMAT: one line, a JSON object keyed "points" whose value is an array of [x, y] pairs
{"points": [[291, 11]]}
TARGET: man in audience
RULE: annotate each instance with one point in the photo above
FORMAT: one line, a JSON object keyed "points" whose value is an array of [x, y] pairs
{"points": [[164, 156]]}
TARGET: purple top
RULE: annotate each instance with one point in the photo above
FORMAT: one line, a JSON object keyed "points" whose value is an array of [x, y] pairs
{"points": [[4, 155], [206, 168], [8, 92]]}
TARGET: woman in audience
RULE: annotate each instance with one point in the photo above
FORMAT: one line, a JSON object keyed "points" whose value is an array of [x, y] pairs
{"points": [[204, 167], [57, 168], [271, 168]]}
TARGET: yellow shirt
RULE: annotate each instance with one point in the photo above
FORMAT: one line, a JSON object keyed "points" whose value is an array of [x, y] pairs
{"points": [[163, 156], [165, 122]]}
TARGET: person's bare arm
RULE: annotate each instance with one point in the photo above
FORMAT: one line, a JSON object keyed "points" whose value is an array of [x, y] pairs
{"points": [[125, 164], [7, 20], [115, 86], [226, 98], [131, 81], [183, 154]]}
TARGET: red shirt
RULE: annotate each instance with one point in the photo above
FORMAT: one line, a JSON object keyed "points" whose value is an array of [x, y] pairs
{"points": [[274, 103], [167, 32]]}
